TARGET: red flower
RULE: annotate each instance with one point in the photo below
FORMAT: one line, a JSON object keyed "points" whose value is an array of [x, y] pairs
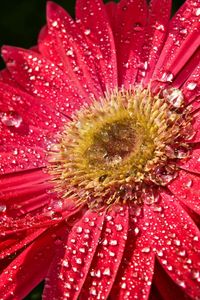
{"points": [[100, 153]]}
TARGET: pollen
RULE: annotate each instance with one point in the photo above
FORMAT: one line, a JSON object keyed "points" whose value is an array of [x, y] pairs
{"points": [[124, 143]]}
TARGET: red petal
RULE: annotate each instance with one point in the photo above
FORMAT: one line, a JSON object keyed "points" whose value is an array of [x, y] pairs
{"points": [[129, 35], [108, 255], [69, 269], [32, 110], [42, 78], [168, 290], [11, 246], [186, 188], [175, 238], [191, 88], [192, 163], [94, 20], [136, 271], [64, 46], [111, 8], [159, 15], [30, 267], [182, 41], [185, 73]]}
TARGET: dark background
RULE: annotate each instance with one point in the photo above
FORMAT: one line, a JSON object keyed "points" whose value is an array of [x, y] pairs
{"points": [[20, 23]]}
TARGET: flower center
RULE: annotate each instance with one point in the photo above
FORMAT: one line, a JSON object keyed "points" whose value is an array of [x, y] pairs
{"points": [[123, 144]]}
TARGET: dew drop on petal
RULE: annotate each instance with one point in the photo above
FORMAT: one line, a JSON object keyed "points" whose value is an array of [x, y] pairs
{"points": [[3, 208], [167, 77], [191, 86], [11, 119], [146, 250], [174, 97], [107, 272]]}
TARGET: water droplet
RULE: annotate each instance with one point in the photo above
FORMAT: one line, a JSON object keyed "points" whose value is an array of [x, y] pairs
{"points": [[93, 291], [136, 230], [66, 263], [191, 86], [197, 13], [11, 119], [177, 242], [174, 97], [123, 285], [195, 274], [79, 229], [146, 250], [119, 227], [70, 52], [79, 261], [113, 242], [107, 272], [87, 31], [3, 208], [181, 283], [138, 27], [55, 23], [189, 183], [160, 253], [167, 77]]}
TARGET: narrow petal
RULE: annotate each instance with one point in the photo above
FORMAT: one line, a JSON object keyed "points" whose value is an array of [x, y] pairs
{"points": [[186, 188], [129, 37], [191, 88], [167, 289], [156, 32], [111, 8], [108, 255], [192, 163], [69, 270], [182, 42], [93, 18], [188, 77], [137, 267], [17, 280], [14, 244]]}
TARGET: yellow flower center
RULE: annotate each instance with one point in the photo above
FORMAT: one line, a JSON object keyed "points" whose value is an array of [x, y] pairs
{"points": [[122, 144]]}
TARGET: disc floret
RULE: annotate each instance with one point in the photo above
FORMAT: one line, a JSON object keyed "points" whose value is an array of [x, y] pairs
{"points": [[121, 145]]}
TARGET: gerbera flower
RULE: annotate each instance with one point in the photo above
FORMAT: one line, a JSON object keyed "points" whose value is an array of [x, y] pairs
{"points": [[100, 153]]}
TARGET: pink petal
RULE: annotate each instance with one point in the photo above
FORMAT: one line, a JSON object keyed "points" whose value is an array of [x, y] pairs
{"points": [[94, 20], [186, 188], [159, 15], [70, 268], [192, 163], [182, 41], [137, 267], [17, 280], [42, 78], [108, 255], [129, 37], [175, 238], [61, 43]]}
